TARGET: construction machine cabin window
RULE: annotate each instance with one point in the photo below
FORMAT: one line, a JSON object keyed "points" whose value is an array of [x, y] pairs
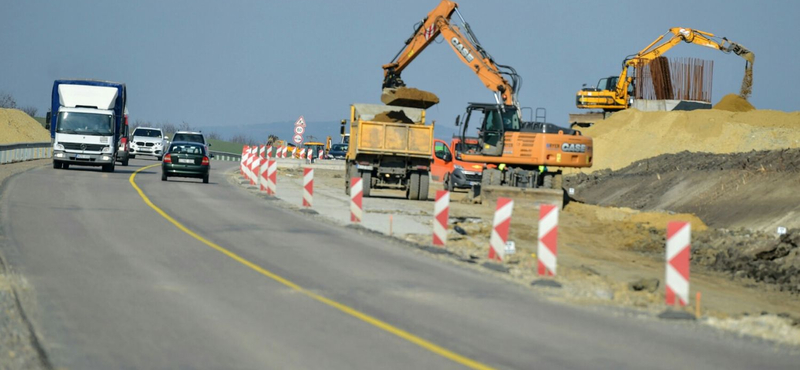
{"points": [[85, 124]]}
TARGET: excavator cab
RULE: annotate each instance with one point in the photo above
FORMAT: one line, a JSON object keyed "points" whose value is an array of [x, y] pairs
{"points": [[492, 121]]}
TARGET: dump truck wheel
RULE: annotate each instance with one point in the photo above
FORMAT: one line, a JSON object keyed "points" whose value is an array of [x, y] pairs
{"points": [[366, 182], [413, 186], [424, 185]]}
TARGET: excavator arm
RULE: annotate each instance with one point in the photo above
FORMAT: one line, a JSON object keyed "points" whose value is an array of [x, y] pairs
{"points": [[679, 34], [465, 45]]}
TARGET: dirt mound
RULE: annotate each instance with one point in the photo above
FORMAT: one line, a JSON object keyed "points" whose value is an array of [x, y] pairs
{"points": [[734, 103], [749, 190], [409, 97], [633, 135], [395, 116], [18, 127]]}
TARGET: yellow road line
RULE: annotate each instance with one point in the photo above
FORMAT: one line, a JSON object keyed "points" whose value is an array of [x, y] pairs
{"points": [[444, 352]]}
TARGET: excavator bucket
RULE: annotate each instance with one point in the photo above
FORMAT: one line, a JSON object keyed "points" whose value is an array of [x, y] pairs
{"points": [[409, 97], [523, 197]]}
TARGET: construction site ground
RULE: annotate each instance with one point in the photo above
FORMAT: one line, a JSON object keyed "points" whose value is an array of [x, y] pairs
{"points": [[731, 173], [602, 251]]}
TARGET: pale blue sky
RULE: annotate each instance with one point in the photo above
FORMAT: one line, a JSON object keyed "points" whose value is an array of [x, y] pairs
{"points": [[242, 62]]}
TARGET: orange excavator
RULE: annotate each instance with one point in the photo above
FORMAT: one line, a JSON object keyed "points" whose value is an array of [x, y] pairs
{"points": [[527, 157]]}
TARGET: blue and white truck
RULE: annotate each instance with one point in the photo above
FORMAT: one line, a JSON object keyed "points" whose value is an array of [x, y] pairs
{"points": [[88, 121]]}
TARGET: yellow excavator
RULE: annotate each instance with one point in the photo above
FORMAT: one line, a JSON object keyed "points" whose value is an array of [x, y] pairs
{"points": [[614, 93], [526, 158]]}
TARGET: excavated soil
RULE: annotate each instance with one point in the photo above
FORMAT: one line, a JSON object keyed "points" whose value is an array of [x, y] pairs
{"points": [[409, 97], [633, 135], [395, 116], [734, 103], [18, 127]]}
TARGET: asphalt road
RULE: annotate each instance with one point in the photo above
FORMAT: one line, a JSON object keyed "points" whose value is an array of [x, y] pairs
{"points": [[117, 285]]}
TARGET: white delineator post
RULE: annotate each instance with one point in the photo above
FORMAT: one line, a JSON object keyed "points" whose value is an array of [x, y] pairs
{"points": [[548, 239], [308, 186], [679, 237], [272, 177], [356, 195], [500, 226], [441, 210]]}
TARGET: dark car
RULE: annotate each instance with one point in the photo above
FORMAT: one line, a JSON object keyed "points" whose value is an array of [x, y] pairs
{"points": [[186, 159], [337, 151]]}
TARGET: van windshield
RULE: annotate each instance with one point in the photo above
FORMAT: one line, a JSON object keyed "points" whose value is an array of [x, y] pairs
{"points": [[85, 124]]}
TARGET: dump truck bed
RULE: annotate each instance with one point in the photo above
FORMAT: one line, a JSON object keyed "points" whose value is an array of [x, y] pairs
{"points": [[390, 130]]}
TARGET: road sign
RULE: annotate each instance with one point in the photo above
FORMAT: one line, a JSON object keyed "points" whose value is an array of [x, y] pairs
{"points": [[298, 138]]}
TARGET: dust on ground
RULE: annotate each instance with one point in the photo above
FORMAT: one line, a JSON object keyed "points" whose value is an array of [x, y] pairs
{"points": [[17, 126]]}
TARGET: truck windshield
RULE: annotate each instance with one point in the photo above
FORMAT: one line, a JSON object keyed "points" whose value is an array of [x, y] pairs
{"points": [[85, 124]]}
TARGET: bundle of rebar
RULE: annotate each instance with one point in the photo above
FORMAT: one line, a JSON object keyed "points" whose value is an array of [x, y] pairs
{"points": [[677, 78]]}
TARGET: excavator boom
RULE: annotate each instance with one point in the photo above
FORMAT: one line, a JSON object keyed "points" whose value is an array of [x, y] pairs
{"points": [[464, 44]]}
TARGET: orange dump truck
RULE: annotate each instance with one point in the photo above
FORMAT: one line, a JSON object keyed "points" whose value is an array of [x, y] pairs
{"points": [[390, 147]]}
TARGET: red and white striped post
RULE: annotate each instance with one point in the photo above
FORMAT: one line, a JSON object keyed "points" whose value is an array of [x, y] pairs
{"points": [[320, 154], [248, 163], [500, 226], [269, 152], [294, 150], [308, 186], [356, 195], [548, 239], [255, 165], [262, 174], [310, 154], [302, 153], [441, 210], [283, 153], [679, 237], [242, 160], [272, 177]]}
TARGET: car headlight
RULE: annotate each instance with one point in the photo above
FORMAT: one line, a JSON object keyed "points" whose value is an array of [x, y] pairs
{"points": [[58, 146], [459, 167], [106, 149]]}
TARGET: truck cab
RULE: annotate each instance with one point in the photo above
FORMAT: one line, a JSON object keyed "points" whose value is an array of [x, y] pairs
{"points": [[88, 117]]}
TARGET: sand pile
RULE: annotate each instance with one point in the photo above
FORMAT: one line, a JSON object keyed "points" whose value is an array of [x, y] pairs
{"points": [[734, 103], [632, 135], [18, 127], [395, 116]]}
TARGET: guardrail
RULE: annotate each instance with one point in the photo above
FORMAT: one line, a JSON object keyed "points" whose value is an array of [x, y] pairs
{"points": [[225, 156], [19, 152]]}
